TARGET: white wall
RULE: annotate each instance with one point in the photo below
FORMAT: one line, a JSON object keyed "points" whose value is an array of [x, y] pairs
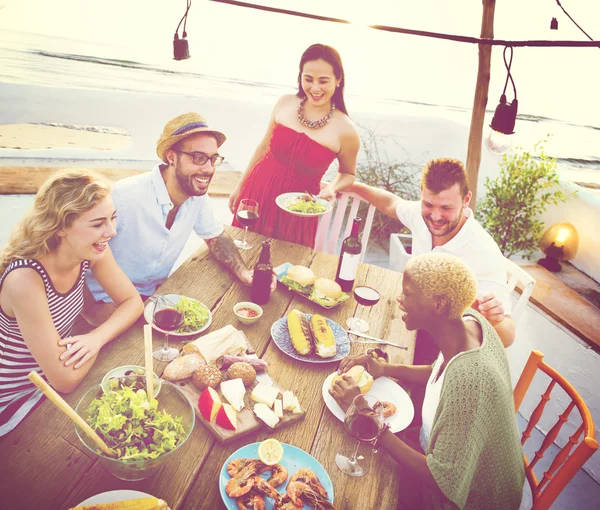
{"points": [[572, 358]]}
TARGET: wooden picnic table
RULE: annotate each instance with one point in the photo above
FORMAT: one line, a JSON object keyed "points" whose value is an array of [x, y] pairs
{"points": [[45, 466]]}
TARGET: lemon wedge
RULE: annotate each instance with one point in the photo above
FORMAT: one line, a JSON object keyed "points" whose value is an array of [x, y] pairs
{"points": [[270, 451]]}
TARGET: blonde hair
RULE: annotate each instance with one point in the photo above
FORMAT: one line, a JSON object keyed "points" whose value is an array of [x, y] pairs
{"points": [[441, 274], [59, 202]]}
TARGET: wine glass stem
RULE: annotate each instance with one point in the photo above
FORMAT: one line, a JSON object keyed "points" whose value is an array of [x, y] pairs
{"points": [[166, 346], [245, 231], [352, 459]]}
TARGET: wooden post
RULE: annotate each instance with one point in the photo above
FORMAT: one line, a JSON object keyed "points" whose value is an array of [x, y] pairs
{"points": [[481, 97]]}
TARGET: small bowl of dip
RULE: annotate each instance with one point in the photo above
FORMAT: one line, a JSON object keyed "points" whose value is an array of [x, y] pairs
{"points": [[247, 312]]}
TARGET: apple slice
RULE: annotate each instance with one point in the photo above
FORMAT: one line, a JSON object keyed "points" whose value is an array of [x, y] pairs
{"points": [[209, 404], [227, 417]]}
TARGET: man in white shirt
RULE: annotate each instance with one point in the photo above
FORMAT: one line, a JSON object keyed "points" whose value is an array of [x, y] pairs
{"points": [[442, 222], [158, 210]]}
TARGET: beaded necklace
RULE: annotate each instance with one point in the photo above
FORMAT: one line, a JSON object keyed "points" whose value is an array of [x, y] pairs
{"points": [[313, 124]]}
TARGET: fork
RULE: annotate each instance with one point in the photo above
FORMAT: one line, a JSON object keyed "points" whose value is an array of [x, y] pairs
{"points": [[313, 198]]}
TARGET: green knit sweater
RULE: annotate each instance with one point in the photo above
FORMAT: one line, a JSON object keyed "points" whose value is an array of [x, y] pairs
{"points": [[474, 452]]}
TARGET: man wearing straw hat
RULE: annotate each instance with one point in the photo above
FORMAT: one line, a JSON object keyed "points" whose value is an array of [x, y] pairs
{"points": [[158, 210]]}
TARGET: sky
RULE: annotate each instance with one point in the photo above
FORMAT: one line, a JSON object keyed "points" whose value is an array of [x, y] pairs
{"points": [[253, 45]]}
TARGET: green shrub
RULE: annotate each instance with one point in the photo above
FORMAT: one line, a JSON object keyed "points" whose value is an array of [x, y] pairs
{"points": [[400, 178], [527, 184]]}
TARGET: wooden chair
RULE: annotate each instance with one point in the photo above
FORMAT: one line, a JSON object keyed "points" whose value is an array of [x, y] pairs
{"points": [[330, 225], [515, 275], [566, 463]]}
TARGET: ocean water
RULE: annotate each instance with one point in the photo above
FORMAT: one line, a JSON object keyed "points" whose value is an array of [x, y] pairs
{"points": [[60, 62]]}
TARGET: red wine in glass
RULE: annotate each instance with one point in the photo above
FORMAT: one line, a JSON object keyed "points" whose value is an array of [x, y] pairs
{"points": [[364, 427], [366, 296], [247, 218], [168, 319]]}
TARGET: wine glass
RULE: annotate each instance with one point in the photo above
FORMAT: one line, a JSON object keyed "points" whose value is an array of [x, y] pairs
{"points": [[366, 296], [166, 318], [364, 421], [247, 215]]}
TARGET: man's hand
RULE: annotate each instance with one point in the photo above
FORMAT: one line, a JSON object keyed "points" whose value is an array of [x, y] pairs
{"points": [[82, 349], [247, 277], [491, 308], [344, 390], [374, 367]]}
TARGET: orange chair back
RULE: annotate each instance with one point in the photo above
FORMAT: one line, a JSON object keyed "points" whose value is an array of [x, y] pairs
{"points": [[567, 462]]}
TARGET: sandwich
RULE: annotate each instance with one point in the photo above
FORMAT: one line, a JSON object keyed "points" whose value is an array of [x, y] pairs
{"points": [[300, 279], [363, 379], [327, 293]]}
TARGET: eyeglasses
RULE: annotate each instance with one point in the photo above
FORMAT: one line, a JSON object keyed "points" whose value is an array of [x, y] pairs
{"points": [[199, 158]]}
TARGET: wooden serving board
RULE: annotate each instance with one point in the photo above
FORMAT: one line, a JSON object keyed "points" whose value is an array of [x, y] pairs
{"points": [[247, 421]]}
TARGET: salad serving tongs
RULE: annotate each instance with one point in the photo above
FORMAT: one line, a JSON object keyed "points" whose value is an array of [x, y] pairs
{"points": [[373, 340]]}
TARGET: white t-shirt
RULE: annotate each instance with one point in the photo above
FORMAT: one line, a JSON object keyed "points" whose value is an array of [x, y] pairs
{"points": [[472, 244]]}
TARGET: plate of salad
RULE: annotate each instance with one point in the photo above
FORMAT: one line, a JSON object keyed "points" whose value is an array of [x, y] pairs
{"points": [[302, 204], [196, 315]]}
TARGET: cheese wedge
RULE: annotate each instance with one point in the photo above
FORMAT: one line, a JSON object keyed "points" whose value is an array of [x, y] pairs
{"points": [[265, 414], [234, 391], [264, 394], [297, 409], [226, 340], [278, 408], [288, 401]]}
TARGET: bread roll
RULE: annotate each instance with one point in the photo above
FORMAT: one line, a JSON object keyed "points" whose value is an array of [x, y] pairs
{"points": [[206, 375], [363, 379], [183, 367], [301, 274], [328, 288]]}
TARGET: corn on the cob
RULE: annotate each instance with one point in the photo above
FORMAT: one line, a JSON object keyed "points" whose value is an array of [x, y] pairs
{"points": [[130, 504], [323, 337], [299, 330]]}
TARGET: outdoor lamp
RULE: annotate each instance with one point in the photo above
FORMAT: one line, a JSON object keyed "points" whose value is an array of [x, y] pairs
{"points": [[554, 24], [499, 139], [559, 242], [181, 48]]}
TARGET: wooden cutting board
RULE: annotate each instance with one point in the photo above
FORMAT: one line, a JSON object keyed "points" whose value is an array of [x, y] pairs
{"points": [[247, 421]]}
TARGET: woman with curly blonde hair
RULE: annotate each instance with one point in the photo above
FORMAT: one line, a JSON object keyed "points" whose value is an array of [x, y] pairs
{"points": [[469, 454], [42, 276]]}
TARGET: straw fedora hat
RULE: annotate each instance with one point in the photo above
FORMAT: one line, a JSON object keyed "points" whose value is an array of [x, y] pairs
{"points": [[181, 127]]}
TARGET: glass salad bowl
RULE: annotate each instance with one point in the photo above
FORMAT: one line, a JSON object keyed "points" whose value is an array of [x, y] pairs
{"points": [[143, 433]]}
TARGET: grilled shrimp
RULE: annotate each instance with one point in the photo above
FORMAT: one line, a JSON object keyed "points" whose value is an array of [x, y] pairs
{"points": [[310, 478], [251, 500], [300, 492], [285, 503], [261, 485], [234, 467], [278, 475], [243, 481]]}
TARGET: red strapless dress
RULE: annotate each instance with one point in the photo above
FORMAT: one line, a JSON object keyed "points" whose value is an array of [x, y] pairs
{"points": [[294, 163]]}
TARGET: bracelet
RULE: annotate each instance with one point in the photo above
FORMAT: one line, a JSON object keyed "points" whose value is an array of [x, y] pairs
{"points": [[375, 442]]}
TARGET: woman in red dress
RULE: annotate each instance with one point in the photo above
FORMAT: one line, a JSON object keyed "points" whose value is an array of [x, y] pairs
{"points": [[306, 133]]}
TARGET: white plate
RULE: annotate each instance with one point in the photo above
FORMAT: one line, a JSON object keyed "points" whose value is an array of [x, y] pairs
{"points": [[174, 298], [113, 497], [285, 199], [383, 389]]}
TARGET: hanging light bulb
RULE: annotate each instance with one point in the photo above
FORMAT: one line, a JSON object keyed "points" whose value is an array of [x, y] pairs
{"points": [[499, 138], [554, 24], [502, 127], [181, 47]]}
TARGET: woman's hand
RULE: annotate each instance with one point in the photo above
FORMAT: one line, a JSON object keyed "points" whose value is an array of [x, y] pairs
{"points": [[374, 367], [234, 199], [344, 390], [82, 349], [327, 194]]}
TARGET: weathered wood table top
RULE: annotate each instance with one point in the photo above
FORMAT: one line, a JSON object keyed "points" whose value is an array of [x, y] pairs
{"points": [[45, 466]]}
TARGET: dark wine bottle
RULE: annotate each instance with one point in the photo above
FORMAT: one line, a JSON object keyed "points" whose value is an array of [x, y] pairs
{"points": [[349, 258], [263, 274]]}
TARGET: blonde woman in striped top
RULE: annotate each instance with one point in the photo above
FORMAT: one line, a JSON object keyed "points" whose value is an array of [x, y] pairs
{"points": [[42, 273]]}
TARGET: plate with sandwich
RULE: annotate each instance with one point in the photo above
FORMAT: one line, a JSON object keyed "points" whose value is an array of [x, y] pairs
{"points": [[302, 280], [398, 409], [310, 337]]}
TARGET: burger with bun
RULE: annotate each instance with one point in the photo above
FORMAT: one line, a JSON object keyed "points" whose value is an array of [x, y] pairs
{"points": [[327, 293], [363, 379], [300, 279]]}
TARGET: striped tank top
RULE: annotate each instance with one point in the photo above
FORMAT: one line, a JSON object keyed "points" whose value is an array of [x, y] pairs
{"points": [[18, 395]]}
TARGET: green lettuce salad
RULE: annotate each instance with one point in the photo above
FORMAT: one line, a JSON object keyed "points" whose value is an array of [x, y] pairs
{"points": [[195, 315], [294, 285], [306, 205], [132, 425]]}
